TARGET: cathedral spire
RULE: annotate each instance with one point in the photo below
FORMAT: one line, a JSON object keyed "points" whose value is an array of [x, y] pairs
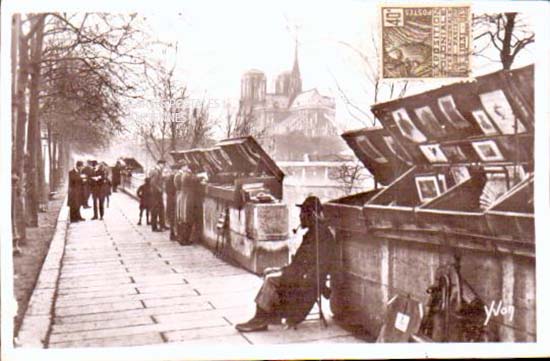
{"points": [[296, 67], [295, 84]]}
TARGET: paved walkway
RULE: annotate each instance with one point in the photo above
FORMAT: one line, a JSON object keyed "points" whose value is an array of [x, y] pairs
{"points": [[122, 285]]}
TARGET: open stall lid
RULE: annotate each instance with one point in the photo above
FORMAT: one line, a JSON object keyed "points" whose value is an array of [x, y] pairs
{"points": [[488, 120], [377, 149], [189, 157], [132, 163], [247, 156]]}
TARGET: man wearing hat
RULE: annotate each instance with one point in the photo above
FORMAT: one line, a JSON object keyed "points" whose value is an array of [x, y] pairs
{"points": [[291, 292], [157, 202], [74, 200]]}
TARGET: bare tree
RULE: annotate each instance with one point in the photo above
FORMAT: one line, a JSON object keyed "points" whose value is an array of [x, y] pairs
{"points": [[244, 123], [371, 81], [508, 33], [350, 176], [69, 72]]}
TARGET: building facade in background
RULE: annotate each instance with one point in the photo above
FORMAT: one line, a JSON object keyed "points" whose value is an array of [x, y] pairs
{"points": [[291, 123]]}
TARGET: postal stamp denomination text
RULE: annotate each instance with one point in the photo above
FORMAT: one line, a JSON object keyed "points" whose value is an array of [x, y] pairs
{"points": [[425, 42]]}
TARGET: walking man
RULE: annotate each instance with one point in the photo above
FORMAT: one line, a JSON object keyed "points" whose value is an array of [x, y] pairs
{"points": [[87, 185], [75, 193], [99, 191], [157, 203]]}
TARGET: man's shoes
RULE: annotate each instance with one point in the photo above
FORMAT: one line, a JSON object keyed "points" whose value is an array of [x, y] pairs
{"points": [[254, 325], [139, 223], [94, 218]]}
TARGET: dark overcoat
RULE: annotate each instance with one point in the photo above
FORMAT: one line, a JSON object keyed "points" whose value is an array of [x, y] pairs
{"points": [[144, 195], [297, 291], [100, 184], [75, 189], [189, 197]]}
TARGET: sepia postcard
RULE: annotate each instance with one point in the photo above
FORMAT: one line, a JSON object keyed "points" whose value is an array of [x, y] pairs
{"points": [[236, 180]]}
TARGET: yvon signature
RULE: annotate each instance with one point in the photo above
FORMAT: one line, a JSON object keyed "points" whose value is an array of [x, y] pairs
{"points": [[498, 309]]}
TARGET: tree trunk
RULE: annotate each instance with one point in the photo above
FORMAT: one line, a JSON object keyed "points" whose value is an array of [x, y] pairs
{"points": [[50, 158], [506, 53], [18, 163], [34, 148]]}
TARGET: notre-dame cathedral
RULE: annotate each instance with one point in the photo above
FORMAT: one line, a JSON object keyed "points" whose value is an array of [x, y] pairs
{"points": [[291, 123]]}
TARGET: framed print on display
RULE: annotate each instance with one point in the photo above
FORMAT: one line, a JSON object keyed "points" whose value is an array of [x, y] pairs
{"points": [[433, 153], [427, 187], [407, 127], [488, 151], [460, 174], [454, 153], [484, 122], [429, 121], [370, 150], [448, 108], [499, 109]]}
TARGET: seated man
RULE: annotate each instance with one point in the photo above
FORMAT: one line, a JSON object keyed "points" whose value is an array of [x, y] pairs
{"points": [[292, 292]]}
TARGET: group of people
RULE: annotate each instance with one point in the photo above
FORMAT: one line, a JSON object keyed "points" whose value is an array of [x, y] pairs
{"points": [[287, 294], [88, 180], [180, 212]]}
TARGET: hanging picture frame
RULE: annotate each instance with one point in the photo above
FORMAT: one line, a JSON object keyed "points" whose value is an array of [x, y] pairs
{"points": [[488, 151], [484, 122], [448, 108], [427, 187], [433, 153], [442, 182], [392, 146], [460, 174], [407, 127], [428, 120], [499, 109], [454, 153], [370, 150]]}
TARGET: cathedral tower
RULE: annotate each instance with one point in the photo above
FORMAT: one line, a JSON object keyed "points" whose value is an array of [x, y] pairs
{"points": [[253, 86]]}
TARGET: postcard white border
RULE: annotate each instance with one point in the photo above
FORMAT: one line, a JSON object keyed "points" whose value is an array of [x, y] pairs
{"points": [[357, 351]]}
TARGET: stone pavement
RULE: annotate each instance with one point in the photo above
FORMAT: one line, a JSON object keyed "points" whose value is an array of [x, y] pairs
{"points": [[122, 285]]}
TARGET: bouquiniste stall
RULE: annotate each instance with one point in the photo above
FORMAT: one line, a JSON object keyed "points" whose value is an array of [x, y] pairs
{"points": [[243, 215], [456, 165]]}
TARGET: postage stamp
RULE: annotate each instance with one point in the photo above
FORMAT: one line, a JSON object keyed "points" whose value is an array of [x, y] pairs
{"points": [[425, 42]]}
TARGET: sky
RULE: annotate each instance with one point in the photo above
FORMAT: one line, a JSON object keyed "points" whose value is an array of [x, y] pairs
{"points": [[219, 41]]}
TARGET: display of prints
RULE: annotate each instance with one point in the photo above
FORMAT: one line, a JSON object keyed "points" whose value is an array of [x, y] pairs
{"points": [[484, 122], [429, 121], [442, 182], [460, 174], [407, 127], [433, 153], [448, 108], [224, 156], [390, 142], [488, 151], [427, 187], [499, 109], [370, 150], [454, 153]]}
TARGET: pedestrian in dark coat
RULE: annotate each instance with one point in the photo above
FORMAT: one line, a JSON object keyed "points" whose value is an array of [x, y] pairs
{"points": [[116, 176], [144, 195], [189, 203], [291, 291], [99, 191], [87, 184], [157, 202], [74, 200], [170, 189]]}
